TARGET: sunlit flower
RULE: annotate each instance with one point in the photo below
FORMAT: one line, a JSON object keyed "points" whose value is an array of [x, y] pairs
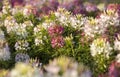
{"points": [[21, 45], [100, 46], [117, 43], [93, 28], [118, 58], [24, 70]]}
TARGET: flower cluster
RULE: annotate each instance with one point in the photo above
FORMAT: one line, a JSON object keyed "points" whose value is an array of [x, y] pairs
{"points": [[100, 46], [67, 67], [4, 48], [21, 45], [89, 37], [55, 32], [21, 57], [24, 70]]}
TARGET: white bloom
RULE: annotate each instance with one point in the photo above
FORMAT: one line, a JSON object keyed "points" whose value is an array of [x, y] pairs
{"points": [[117, 45], [21, 45], [93, 27], [6, 9], [100, 46], [109, 19], [24, 70], [38, 41], [118, 58], [4, 53]]}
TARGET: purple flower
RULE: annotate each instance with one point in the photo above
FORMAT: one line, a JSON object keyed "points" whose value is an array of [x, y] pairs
{"points": [[57, 42], [51, 5], [45, 9], [118, 10], [79, 10], [55, 30], [17, 2], [91, 8], [77, 2]]}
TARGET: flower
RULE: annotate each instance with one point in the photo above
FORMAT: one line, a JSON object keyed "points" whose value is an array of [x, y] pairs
{"points": [[57, 42], [91, 8], [55, 30], [92, 27], [24, 70], [118, 58], [117, 43], [21, 57], [68, 68], [5, 53], [4, 48], [113, 71], [100, 46], [21, 45]]}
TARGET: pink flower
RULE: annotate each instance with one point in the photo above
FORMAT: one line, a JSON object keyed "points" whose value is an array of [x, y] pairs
{"points": [[112, 7], [57, 42], [113, 70], [55, 30]]}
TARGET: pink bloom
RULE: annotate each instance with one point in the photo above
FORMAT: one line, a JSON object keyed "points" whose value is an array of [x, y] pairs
{"points": [[113, 70], [112, 7], [57, 41], [55, 30]]}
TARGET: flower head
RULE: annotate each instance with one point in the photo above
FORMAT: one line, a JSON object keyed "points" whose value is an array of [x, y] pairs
{"points": [[55, 30], [57, 41], [21, 57], [100, 46]]}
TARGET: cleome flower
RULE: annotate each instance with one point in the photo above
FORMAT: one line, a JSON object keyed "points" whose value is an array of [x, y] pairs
{"points": [[57, 41], [118, 58], [67, 19], [117, 43], [92, 27], [67, 67], [4, 48], [100, 46], [4, 52], [55, 30], [21, 45], [24, 70], [22, 57]]}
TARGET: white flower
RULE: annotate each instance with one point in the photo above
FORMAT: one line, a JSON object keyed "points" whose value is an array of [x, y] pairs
{"points": [[24, 70], [100, 46], [109, 19], [93, 27], [118, 58], [4, 53], [21, 45], [117, 45], [38, 41], [6, 9]]}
